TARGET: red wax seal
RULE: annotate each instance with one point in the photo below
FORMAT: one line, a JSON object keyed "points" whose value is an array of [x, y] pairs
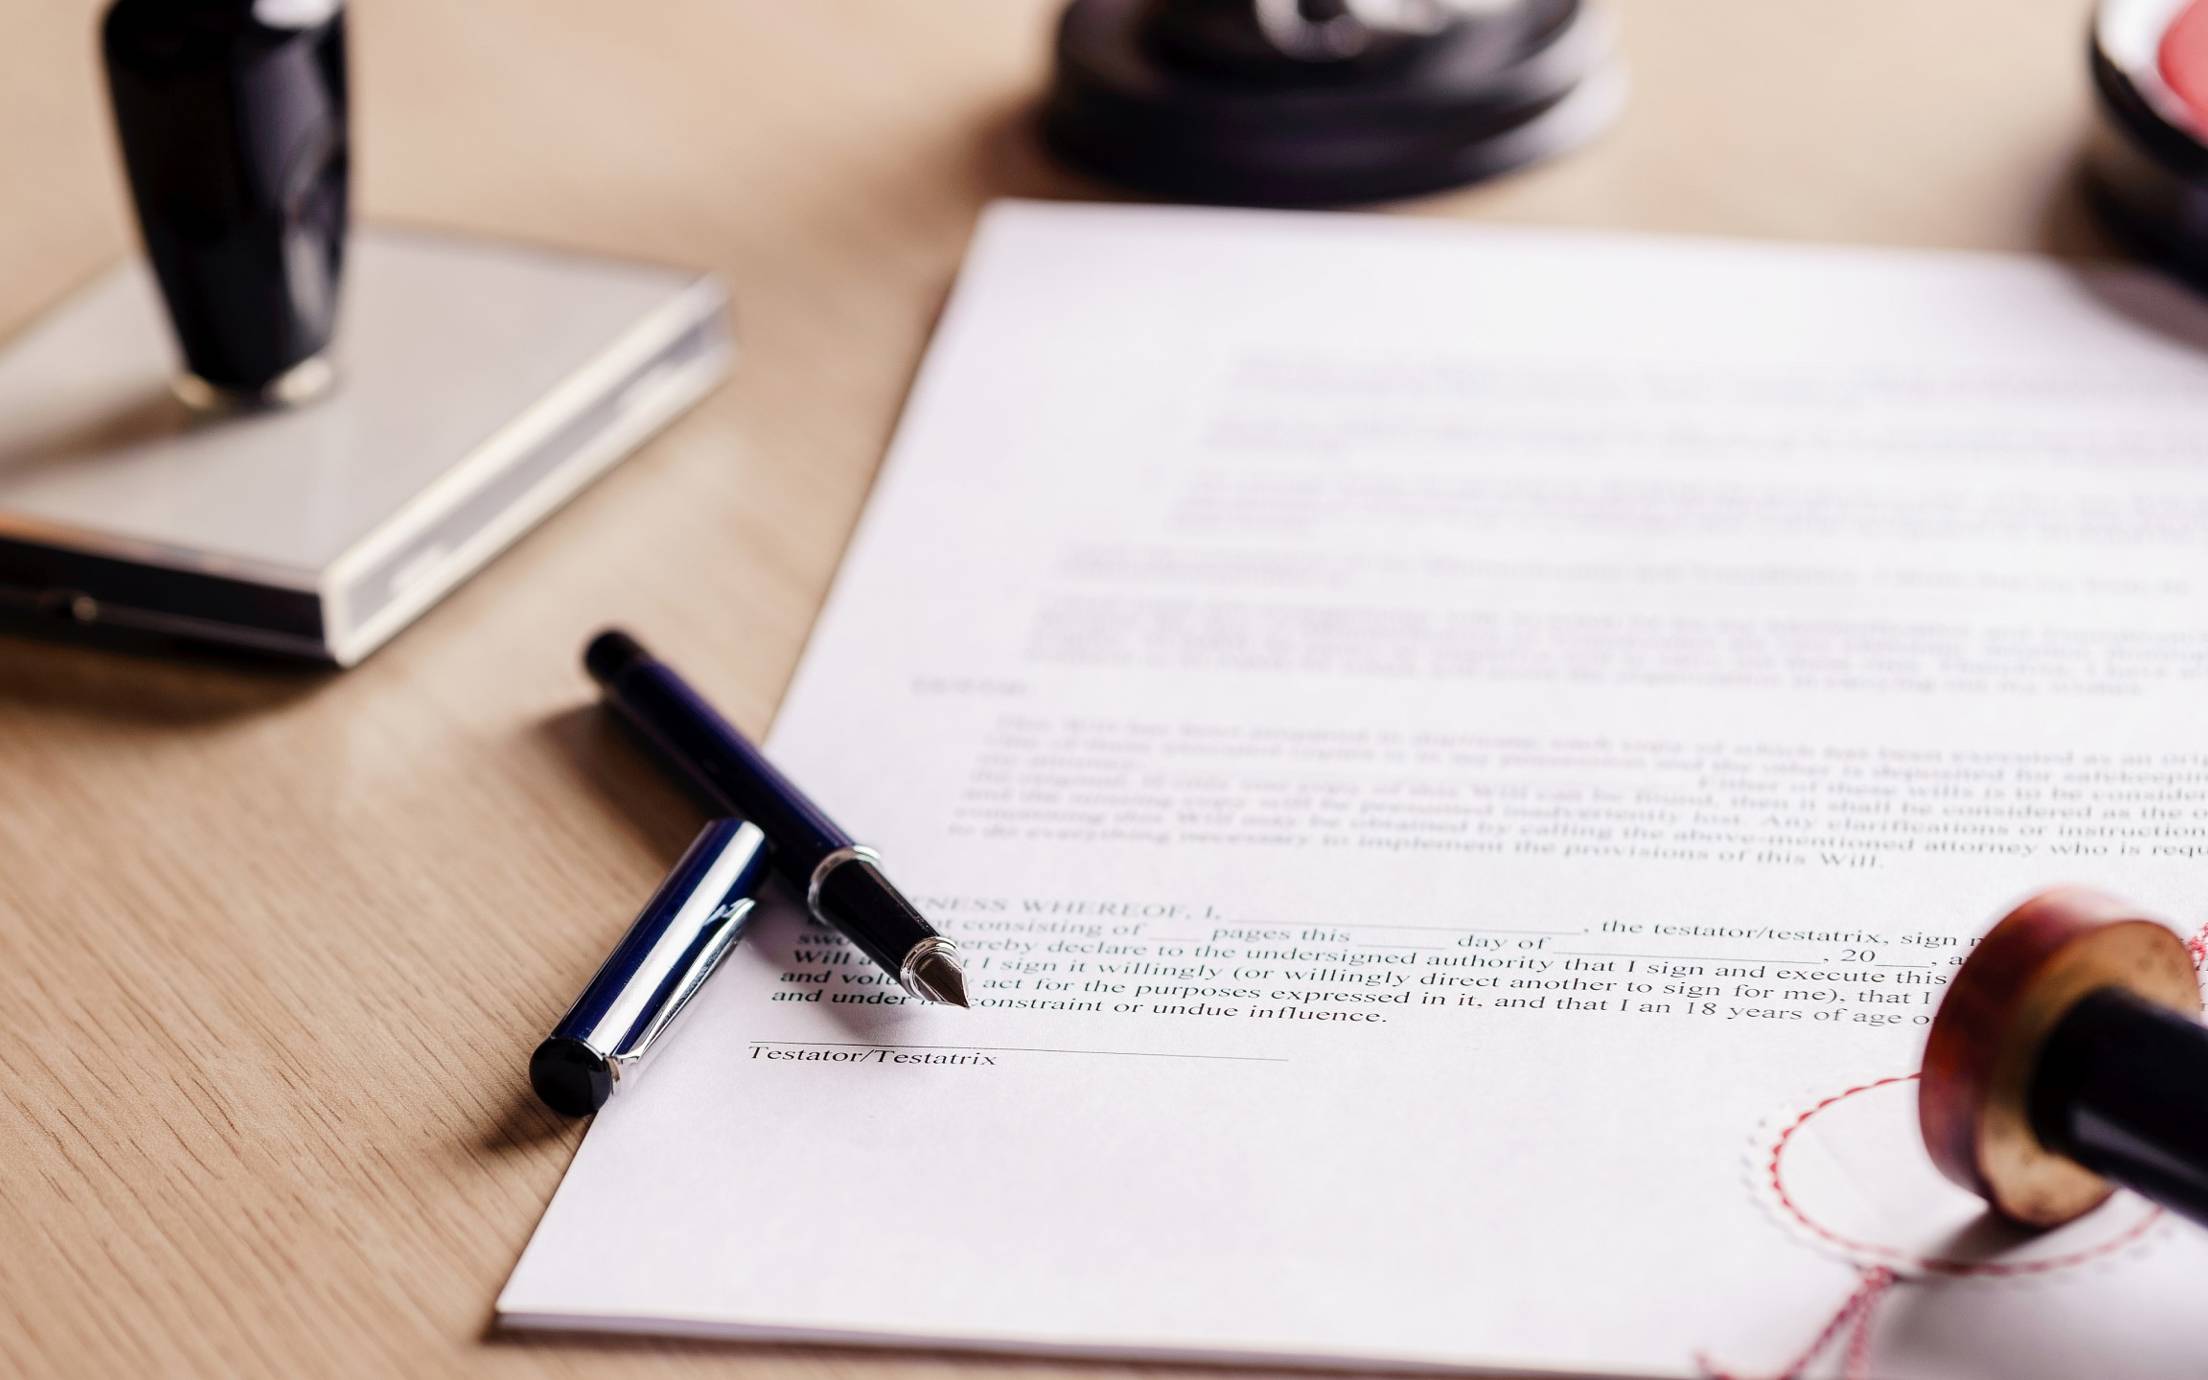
{"points": [[2183, 60]]}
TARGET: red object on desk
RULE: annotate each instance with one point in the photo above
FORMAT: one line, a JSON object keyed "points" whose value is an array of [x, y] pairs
{"points": [[2183, 60]]}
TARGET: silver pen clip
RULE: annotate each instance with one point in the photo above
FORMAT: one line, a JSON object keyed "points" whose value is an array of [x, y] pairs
{"points": [[726, 926]]}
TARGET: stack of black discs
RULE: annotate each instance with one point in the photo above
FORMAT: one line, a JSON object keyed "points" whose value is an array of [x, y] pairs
{"points": [[2148, 164], [1251, 102]]}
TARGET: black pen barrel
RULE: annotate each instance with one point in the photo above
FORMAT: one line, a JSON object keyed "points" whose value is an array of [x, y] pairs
{"points": [[873, 913], [708, 751], [842, 882], [2122, 1088]]}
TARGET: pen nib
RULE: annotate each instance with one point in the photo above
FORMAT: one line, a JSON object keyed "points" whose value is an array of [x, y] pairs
{"points": [[937, 977]]}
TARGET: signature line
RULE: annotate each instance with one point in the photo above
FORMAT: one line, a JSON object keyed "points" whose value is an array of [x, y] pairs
{"points": [[1023, 1049]]}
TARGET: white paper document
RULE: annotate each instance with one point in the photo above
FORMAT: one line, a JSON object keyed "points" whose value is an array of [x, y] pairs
{"points": [[1460, 760]]}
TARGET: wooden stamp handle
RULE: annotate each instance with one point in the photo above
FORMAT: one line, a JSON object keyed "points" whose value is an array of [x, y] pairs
{"points": [[1987, 1051]]}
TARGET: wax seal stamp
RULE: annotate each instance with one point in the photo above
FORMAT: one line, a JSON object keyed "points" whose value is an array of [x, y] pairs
{"points": [[2066, 1059]]}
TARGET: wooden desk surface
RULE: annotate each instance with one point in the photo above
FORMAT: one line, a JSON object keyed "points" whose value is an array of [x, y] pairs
{"points": [[274, 945]]}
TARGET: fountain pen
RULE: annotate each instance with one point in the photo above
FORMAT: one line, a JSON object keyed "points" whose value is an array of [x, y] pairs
{"points": [[842, 881]]}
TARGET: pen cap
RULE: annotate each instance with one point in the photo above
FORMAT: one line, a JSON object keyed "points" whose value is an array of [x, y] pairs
{"points": [[681, 935]]}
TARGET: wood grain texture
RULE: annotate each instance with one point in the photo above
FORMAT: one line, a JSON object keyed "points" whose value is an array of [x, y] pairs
{"points": [[275, 944]]}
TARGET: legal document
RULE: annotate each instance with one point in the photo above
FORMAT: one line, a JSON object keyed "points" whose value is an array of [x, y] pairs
{"points": [[1460, 761]]}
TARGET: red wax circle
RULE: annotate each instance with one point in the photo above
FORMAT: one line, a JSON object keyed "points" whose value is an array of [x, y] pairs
{"points": [[2183, 60]]}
